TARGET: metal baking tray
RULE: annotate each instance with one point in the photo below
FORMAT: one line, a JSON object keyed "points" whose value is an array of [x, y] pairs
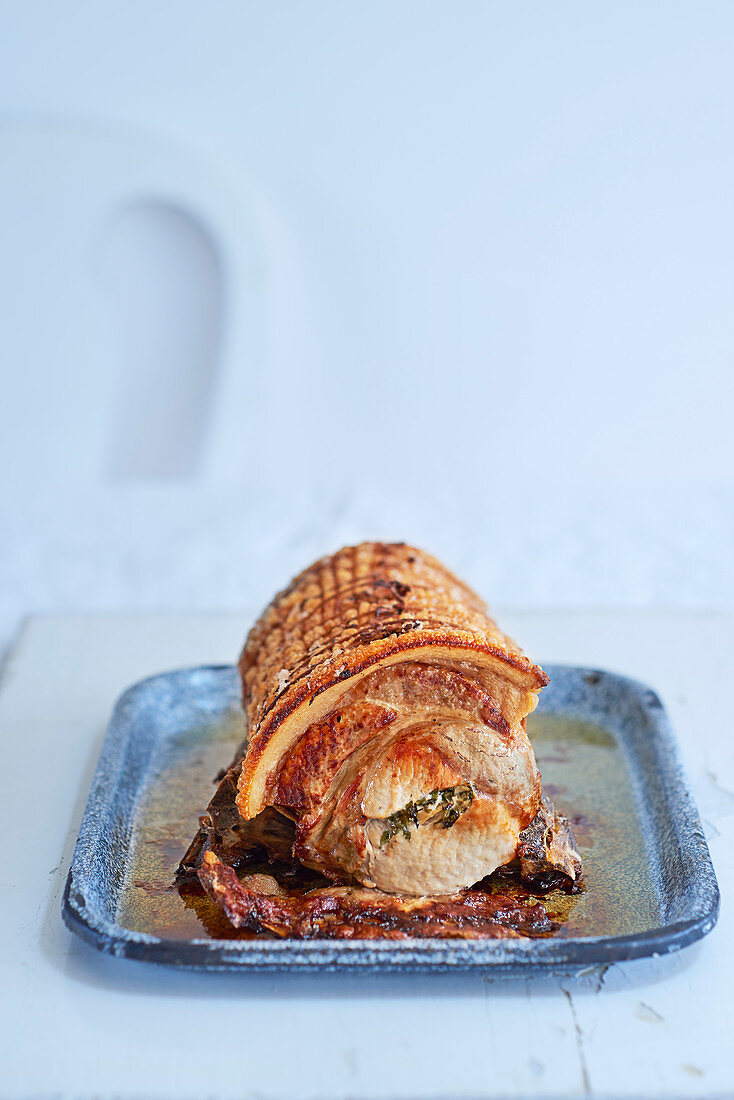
{"points": [[608, 758]]}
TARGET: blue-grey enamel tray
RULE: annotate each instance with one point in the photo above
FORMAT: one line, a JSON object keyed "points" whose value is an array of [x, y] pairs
{"points": [[607, 756]]}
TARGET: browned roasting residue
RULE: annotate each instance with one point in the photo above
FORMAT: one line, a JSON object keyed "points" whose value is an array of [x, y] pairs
{"points": [[258, 902]]}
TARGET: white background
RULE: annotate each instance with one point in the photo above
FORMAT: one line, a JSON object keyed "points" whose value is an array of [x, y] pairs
{"points": [[279, 276]]}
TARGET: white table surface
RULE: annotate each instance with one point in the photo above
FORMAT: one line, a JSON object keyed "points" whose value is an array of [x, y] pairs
{"points": [[75, 1023]]}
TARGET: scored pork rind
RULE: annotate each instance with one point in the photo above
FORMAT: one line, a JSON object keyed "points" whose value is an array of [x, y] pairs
{"points": [[366, 606]]}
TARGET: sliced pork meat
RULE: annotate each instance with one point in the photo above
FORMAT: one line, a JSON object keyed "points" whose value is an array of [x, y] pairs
{"points": [[387, 753], [387, 720], [414, 783]]}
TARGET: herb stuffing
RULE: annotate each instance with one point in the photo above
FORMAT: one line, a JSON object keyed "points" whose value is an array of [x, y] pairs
{"points": [[442, 805]]}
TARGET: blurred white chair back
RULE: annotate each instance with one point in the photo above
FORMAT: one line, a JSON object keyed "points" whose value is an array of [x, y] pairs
{"points": [[133, 311]]}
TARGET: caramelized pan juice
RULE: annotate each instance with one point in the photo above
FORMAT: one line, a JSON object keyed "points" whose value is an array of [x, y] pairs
{"points": [[583, 770]]}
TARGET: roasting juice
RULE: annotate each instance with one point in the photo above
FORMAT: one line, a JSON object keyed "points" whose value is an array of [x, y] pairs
{"points": [[584, 772]]}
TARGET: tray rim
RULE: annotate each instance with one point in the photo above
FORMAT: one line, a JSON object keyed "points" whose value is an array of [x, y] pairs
{"points": [[522, 956]]}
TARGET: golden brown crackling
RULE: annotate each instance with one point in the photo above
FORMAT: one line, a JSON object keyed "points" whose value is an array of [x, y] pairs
{"points": [[368, 604], [309, 768]]}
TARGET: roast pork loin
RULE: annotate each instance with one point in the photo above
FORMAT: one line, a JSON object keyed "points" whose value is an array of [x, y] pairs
{"points": [[386, 715]]}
